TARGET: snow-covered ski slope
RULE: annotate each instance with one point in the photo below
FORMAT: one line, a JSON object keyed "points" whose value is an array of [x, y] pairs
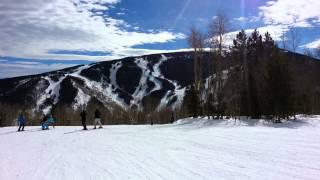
{"points": [[189, 149]]}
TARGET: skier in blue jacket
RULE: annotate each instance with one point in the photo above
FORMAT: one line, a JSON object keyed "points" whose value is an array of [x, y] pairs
{"points": [[51, 121], [21, 121]]}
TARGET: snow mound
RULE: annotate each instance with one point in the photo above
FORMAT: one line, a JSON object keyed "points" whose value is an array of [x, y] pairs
{"points": [[205, 122]]}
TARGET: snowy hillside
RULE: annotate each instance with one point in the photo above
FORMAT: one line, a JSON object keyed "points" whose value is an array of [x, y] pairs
{"points": [[188, 149], [127, 82]]}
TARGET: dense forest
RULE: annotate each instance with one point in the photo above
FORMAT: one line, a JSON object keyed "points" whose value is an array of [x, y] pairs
{"points": [[253, 77]]}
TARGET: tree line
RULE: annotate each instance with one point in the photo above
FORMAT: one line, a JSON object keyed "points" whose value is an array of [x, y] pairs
{"points": [[253, 77]]}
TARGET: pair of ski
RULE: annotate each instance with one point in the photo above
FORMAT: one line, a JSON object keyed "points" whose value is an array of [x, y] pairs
{"points": [[83, 130]]}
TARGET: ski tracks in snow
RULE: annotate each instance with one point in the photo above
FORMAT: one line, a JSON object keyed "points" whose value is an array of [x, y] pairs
{"points": [[162, 152]]}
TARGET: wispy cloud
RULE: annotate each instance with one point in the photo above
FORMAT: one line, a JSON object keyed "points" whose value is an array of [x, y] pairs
{"points": [[241, 18], [33, 28], [14, 69], [248, 19], [25, 63]]}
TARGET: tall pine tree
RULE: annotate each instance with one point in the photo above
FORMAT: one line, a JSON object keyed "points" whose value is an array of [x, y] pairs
{"points": [[279, 88]]}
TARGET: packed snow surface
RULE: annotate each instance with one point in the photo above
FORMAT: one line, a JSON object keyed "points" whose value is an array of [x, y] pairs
{"points": [[188, 149]]}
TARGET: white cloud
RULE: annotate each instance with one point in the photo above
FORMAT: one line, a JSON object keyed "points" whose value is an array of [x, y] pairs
{"points": [[251, 19], [241, 18], [276, 31], [314, 44], [298, 13], [136, 28], [281, 15], [31, 28]]}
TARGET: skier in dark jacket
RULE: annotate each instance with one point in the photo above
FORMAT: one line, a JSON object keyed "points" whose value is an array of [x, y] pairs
{"points": [[21, 121], [44, 122], [97, 119], [172, 117], [83, 115]]}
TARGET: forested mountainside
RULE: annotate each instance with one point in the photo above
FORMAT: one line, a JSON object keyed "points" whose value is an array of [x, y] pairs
{"points": [[148, 83]]}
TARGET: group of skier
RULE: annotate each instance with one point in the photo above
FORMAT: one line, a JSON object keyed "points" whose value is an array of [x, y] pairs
{"points": [[97, 119], [45, 121], [48, 120]]}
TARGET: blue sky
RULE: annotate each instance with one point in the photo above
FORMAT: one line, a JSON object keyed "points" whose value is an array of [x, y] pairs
{"points": [[39, 35]]}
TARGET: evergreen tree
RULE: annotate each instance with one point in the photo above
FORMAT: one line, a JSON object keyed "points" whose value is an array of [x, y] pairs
{"points": [[279, 88], [254, 53], [239, 54], [192, 102]]}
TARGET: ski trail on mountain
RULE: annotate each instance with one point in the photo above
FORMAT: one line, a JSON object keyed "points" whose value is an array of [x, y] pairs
{"points": [[109, 92], [104, 93], [52, 92]]}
